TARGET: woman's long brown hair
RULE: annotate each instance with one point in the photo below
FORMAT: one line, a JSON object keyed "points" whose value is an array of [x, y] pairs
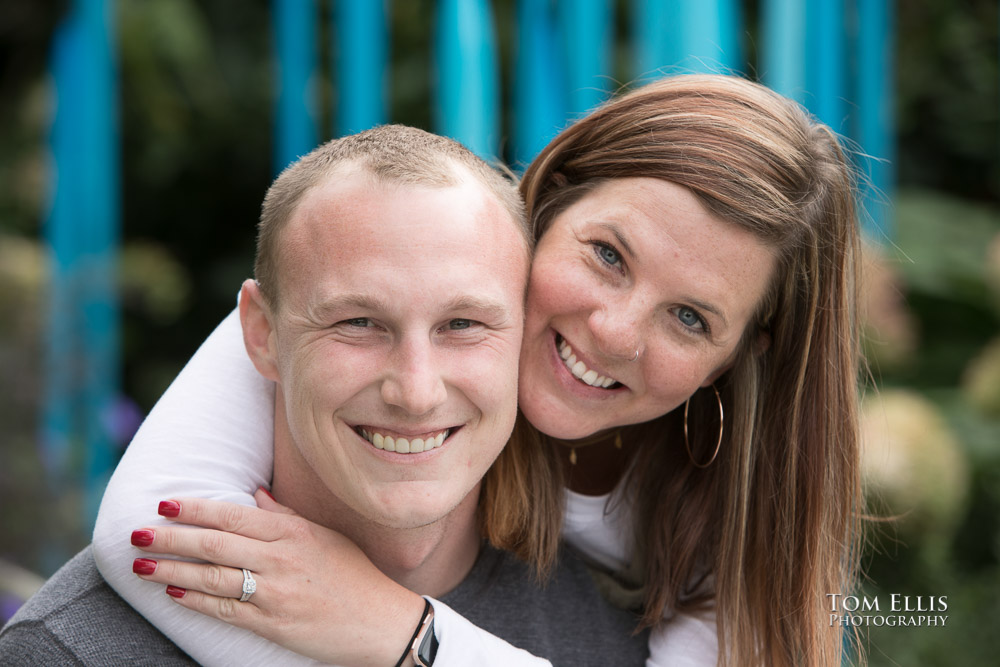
{"points": [[773, 522]]}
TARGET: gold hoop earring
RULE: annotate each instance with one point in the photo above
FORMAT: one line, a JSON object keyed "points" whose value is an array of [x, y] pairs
{"points": [[687, 445]]}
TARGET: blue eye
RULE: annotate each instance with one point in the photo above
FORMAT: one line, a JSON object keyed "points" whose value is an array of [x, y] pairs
{"points": [[359, 322], [457, 324], [608, 254], [690, 318]]}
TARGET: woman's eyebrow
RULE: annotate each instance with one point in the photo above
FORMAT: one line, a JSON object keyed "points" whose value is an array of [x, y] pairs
{"points": [[704, 305], [616, 231]]}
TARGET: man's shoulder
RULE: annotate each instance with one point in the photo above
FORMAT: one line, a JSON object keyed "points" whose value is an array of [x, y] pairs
{"points": [[563, 619], [77, 619]]}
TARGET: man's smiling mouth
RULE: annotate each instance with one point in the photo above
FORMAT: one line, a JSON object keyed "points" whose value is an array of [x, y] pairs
{"points": [[394, 442]]}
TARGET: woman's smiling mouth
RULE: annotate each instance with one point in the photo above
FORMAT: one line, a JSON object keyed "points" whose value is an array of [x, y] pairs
{"points": [[580, 370]]}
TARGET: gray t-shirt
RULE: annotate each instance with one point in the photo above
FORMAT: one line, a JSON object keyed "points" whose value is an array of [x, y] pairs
{"points": [[77, 619]]}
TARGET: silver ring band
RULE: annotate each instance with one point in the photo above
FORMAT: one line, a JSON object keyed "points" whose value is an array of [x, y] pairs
{"points": [[636, 355], [249, 585]]}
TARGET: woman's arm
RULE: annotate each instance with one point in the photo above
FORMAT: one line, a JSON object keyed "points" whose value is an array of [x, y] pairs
{"points": [[315, 591], [464, 643], [209, 435]]}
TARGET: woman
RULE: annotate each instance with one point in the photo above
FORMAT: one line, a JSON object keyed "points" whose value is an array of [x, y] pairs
{"points": [[654, 216]]}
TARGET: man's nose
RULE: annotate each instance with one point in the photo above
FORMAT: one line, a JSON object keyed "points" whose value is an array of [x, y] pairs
{"points": [[617, 328], [414, 381]]}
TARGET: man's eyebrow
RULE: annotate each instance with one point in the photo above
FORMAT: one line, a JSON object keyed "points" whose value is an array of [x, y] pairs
{"points": [[374, 303], [482, 305], [366, 302]]}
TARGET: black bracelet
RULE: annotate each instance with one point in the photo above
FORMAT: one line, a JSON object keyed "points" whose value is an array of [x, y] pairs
{"points": [[406, 651]]}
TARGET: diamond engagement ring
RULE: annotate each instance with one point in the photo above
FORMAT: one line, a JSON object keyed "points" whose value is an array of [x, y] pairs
{"points": [[249, 585]]}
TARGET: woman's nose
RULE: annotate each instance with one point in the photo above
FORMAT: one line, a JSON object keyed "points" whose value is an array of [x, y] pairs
{"points": [[617, 330]]}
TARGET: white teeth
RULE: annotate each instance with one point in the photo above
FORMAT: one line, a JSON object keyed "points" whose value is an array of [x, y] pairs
{"points": [[580, 370], [404, 445]]}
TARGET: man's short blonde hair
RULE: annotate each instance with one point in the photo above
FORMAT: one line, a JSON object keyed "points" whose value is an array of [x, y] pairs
{"points": [[392, 154]]}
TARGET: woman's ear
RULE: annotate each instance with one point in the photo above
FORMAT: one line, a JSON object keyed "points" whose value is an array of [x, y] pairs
{"points": [[761, 345], [258, 330], [717, 374]]}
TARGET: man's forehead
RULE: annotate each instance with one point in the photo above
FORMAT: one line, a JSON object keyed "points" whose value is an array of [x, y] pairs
{"points": [[444, 246], [356, 207]]}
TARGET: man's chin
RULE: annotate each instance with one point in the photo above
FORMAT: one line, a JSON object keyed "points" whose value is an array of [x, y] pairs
{"points": [[405, 523], [411, 511]]}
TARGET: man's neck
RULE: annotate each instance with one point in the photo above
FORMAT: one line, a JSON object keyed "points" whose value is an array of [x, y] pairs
{"points": [[429, 560]]}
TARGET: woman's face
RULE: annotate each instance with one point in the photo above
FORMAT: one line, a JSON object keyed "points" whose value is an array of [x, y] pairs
{"points": [[637, 264]]}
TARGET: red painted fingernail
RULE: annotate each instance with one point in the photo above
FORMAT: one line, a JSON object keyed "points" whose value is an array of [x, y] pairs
{"points": [[144, 566], [269, 494], [142, 538], [170, 508], [176, 591]]}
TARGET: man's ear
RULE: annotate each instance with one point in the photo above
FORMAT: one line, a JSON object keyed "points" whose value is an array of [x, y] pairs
{"points": [[258, 331]]}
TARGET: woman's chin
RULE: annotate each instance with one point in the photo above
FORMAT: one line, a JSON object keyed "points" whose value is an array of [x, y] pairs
{"points": [[560, 423]]}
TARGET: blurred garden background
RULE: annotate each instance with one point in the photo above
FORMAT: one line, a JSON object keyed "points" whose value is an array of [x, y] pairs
{"points": [[197, 147]]}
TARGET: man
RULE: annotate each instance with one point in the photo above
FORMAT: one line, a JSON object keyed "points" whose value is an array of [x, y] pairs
{"points": [[388, 312]]}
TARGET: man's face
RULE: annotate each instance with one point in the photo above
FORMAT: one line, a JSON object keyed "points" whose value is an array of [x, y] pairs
{"points": [[399, 327]]}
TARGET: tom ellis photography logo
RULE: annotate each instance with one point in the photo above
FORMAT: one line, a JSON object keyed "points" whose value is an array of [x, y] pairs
{"points": [[892, 610]]}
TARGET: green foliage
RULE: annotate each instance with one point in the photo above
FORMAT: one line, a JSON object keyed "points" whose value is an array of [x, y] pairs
{"points": [[196, 87], [25, 30], [940, 254], [944, 242], [40, 519], [947, 96], [942, 540], [966, 568]]}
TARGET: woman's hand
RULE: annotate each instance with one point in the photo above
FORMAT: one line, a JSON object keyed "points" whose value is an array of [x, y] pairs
{"points": [[316, 592]]}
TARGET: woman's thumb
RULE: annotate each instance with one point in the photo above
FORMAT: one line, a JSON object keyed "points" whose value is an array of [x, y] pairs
{"points": [[266, 501]]}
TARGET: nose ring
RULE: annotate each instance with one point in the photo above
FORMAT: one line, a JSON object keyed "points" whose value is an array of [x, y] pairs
{"points": [[636, 355]]}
